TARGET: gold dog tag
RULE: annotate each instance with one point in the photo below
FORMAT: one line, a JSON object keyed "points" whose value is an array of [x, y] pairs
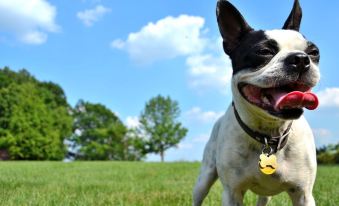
{"points": [[268, 163]]}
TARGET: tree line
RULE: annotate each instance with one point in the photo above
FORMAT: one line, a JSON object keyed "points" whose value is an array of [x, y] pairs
{"points": [[328, 154], [37, 123]]}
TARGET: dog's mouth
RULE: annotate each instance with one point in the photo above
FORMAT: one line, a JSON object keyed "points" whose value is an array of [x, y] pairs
{"points": [[285, 101]]}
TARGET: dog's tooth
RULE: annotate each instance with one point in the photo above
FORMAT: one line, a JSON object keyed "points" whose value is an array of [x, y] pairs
{"points": [[265, 100]]}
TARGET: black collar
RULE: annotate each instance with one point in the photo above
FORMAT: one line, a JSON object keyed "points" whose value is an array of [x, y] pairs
{"points": [[276, 143]]}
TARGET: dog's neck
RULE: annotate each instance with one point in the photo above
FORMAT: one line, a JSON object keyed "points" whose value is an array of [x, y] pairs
{"points": [[260, 121]]}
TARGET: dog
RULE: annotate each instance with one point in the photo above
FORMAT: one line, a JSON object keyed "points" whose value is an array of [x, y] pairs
{"points": [[263, 142]]}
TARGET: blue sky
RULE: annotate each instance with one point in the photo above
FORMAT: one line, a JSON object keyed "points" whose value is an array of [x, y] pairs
{"points": [[122, 53]]}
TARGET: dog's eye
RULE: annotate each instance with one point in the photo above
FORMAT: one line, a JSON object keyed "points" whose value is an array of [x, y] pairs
{"points": [[264, 52], [313, 52]]}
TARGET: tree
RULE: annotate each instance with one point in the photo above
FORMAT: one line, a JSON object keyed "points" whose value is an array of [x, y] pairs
{"points": [[134, 146], [100, 135], [328, 154], [34, 120], [159, 125]]}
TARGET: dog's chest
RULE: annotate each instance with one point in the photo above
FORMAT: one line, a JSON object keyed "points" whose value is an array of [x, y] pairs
{"points": [[264, 184], [244, 173], [237, 158], [238, 164]]}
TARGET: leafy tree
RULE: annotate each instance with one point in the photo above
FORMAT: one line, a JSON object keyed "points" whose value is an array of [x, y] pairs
{"points": [[325, 158], [134, 146], [33, 121], [159, 125], [328, 154], [100, 135]]}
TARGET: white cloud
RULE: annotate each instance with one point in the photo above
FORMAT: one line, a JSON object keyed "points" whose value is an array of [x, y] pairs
{"points": [[34, 37], [90, 16], [132, 122], [185, 146], [329, 97], [196, 114], [186, 36], [203, 138], [324, 137], [118, 44], [28, 20], [165, 39], [321, 132], [208, 71]]}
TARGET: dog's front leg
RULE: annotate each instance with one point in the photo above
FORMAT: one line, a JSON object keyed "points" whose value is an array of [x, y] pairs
{"points": [[231, 197], [263, 200], [207, 177], [302, 198]]}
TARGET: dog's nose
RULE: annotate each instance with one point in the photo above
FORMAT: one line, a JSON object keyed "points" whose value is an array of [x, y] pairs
{"points": [[299, 62]]}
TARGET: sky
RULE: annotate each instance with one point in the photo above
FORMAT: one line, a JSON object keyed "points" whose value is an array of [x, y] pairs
{"points": [[122, 53]]}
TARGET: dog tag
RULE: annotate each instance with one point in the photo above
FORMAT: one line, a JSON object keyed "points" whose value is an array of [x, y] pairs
{"points": [[268, 163]]}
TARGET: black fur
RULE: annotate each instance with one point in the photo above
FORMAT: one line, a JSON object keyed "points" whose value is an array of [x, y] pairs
{"points": [[232, 25], [294, 19], [254, 51], [247, 48]]}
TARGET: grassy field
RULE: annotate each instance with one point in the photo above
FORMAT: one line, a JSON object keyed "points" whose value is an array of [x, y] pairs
{"points": [[126, 183]]}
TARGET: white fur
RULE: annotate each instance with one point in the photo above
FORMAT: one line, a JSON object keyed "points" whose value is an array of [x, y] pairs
{"points": [[288, 39], [232, 156]]}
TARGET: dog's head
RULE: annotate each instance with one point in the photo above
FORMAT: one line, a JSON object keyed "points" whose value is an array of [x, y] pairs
{"points": [[273, 71]]}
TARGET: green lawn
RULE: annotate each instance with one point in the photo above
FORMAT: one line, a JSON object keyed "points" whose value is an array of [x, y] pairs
{"points": [[125, 183]]}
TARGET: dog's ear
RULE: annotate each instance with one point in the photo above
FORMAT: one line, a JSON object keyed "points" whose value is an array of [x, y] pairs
{"points": [[232, 25], [294, 19]]}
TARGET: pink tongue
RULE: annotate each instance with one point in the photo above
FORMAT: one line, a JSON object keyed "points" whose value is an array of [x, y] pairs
{"points": [[296, 99]]}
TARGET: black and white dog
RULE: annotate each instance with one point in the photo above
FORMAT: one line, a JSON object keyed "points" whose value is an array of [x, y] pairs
{"points": [[263, 143]]}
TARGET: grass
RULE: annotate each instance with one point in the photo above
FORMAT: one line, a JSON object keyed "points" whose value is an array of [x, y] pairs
{"points": [[126, 184]]}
